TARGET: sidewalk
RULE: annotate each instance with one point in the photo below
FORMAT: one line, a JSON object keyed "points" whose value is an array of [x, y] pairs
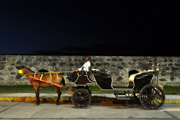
{"points": [[67, 97]]}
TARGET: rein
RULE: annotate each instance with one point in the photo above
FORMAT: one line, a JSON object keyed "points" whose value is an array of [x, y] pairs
{"points": [[20, 72]]}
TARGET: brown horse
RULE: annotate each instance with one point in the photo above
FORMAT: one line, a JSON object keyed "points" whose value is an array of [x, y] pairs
{"points": [[49, 77]]}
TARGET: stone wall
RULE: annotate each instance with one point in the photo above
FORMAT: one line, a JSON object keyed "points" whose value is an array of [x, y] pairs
{"points": [[117, 66]]}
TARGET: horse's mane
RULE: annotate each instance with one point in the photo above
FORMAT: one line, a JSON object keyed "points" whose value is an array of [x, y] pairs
{"points": [[28, 69], [42, 70]]}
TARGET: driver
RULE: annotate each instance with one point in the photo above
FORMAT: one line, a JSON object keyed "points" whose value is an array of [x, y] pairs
{"points": [[86, 65]]}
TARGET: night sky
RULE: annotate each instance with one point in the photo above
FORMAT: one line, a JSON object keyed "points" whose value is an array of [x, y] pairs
{"points": [[56, 27]]}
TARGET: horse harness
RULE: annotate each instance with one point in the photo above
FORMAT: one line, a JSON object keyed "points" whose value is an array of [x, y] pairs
{"points": [[43, 74]]}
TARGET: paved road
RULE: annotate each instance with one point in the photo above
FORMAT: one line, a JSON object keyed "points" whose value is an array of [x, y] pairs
{"points": [[122, 111]]}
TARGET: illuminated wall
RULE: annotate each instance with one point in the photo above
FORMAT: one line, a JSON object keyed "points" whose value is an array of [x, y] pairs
{"points": [[117, 66]]}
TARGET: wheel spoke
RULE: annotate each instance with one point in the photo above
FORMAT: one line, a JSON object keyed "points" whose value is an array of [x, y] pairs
{"points": [[85, 101], [157, 101], [152, 89], [158, 92], [77, 100], [85, 98], [159, 98], [76, 97]]}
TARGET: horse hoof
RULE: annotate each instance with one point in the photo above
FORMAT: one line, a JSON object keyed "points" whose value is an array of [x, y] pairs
{"points": [[57, 103], [37, 104]]}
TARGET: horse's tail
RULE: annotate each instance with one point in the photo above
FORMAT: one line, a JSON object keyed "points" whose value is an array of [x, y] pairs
{"points": [[63, 81]]}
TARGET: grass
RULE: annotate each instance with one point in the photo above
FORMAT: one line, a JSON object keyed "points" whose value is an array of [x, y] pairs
{"points": [[29, 89], [25, 89], [169, 90], [172, 90]]}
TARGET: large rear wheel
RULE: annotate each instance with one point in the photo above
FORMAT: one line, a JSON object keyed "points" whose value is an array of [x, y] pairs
{"points": [[151, 96], [81, 98]]}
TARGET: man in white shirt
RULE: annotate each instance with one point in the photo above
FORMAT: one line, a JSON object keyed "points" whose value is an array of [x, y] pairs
{"points": [[85, 66]]}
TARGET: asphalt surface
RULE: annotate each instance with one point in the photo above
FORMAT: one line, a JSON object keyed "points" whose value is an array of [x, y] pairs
{"points": [[103, 106], [119, 111]]}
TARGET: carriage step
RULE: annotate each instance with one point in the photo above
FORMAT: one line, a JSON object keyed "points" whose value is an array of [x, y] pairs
{"points": [[123, 97], [125, 88]]}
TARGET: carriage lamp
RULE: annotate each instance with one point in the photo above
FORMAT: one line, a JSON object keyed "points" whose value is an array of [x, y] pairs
{"points": [[157, 68]]}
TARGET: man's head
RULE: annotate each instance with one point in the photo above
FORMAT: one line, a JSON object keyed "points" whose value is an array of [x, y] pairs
{"points": [[86, 59]]}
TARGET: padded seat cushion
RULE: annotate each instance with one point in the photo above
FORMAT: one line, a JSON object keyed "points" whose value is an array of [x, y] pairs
{"points": [[132, 77]]}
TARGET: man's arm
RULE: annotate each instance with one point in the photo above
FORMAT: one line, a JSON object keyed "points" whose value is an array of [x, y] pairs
{"points": [[85, 66], [80, 69]]}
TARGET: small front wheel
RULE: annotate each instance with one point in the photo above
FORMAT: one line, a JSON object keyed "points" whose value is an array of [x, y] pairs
{"points": [[81, 98], [151, 96]]}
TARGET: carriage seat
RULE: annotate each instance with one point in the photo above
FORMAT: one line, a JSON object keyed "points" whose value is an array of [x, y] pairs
{"points": [[133, 73]]}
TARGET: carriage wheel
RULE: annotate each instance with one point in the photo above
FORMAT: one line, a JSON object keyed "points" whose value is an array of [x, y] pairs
{"points": [[81, 98], [152, 96]]}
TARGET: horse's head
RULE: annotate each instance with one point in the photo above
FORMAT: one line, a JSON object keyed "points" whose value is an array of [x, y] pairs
{"points": [[21, 72]]}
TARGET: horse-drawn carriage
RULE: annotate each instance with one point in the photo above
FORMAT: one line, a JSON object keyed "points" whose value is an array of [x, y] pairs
{"points": [[140, 84], [150, 96]]}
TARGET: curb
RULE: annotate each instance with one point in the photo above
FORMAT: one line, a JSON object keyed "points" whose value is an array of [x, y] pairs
{"points": [[66, 99], [172, 101], [33, 99]]}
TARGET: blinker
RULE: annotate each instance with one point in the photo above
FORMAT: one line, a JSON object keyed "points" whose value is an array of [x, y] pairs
{"points": [[20, 71]]}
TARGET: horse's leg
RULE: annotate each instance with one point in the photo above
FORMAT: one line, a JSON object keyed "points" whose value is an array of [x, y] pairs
{"points": [[59, 94], [36, 88]]}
